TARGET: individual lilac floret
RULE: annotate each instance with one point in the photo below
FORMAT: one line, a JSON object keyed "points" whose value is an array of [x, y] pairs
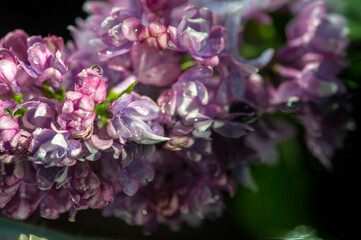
{"points": [[53, 148], [55, 203], [131, 28], [155, 36], [315, 28], [112, 40], [128, 169], [39, 114], [25, 202], [197, 35], [77, 114], [4, 105], [20, 150], [129, 122], [89, 83], [157, 68], [11, 176], [16, 41], [187, 97], [314, 35], [44, 59], [309, 84], [8, 66], [86, 189], [9, 133]]}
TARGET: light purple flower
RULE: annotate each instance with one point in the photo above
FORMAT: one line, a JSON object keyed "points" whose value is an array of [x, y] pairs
{"points": [[44, 59], [89, 83], [86, 190], [53, 148], [157, 68], [95, 147], [11, 177], [132, 28], [8, 66], [205, 200], [129, 120], [312, 83], [9, 133], [20, 150], [314, 35], [196, 34], [187, 98], [4, 105], [17, 42], [155, 36], [55, 203], [129, 169], [39, 114], [24, 203], [113, 41], [77, 114]]}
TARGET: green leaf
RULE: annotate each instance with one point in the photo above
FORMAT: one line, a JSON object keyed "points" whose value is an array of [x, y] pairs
{"points": [[351, 84], [187, 61], [49, 92], [18, 98], [112, 95], [20, 113], [129, 89]]}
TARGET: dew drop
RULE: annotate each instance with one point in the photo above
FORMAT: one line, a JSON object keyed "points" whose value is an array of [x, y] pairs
{"points": [[97, 68], [36, 60], [144, 212], [292, 105], [189, 93]]}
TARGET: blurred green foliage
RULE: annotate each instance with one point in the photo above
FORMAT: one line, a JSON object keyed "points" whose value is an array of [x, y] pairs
{"points": [[281, 200]]}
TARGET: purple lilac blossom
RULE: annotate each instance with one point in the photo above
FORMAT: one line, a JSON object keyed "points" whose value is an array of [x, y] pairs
{"points": [[53, 148], [129, 120], [196, 34], [77, 114], [154, 36], [170, 150], [8, 68], [89, 83], [41, 58], [157, 68], [9, 132], [86, 190]]}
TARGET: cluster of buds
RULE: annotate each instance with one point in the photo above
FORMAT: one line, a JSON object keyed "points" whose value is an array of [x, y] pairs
{"points": [[152, 114]]}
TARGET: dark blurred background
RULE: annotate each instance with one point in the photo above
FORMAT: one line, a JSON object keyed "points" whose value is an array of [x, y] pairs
{"points": [[297, 191]]}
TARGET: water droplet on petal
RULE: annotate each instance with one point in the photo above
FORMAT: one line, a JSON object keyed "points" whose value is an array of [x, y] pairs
{"points": [[189, 93], [292, 105], [97, 68], [144, 212], [36, 60], [142, 110]]}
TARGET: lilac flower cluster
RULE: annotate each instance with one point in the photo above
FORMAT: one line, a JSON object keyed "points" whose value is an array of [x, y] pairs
{"points": [[151, 114]]}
